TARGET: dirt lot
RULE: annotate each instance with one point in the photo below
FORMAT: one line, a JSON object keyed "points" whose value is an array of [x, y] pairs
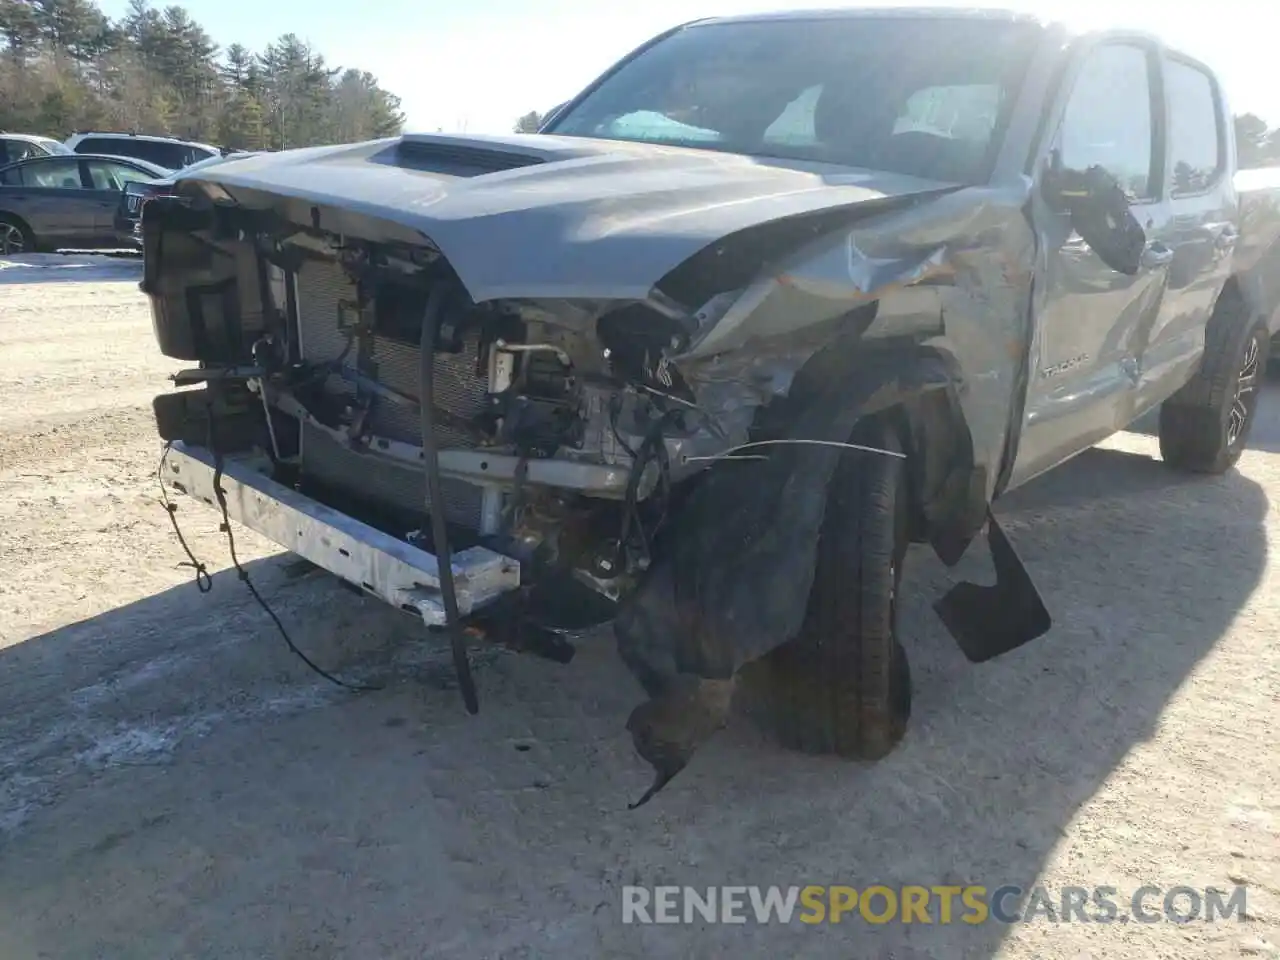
{"points": [[173, 783]]}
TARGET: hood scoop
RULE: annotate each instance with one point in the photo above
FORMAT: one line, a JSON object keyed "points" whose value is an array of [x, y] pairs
{"points": [[458, 159]]}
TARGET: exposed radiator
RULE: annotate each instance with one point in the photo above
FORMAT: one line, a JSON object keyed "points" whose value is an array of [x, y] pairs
{"points": [[321, 288]]}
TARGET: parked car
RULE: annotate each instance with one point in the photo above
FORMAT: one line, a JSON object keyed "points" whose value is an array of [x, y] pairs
{"points": [[631, 355], [20, 146], [166, 152], [64, 201], [128, 219]]}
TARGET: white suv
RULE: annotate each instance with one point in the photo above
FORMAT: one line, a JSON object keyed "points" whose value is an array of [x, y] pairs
{"points": [[164, 151]]}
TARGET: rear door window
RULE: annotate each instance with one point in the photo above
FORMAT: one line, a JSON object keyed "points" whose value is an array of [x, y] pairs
{"points": [[1195, 129], [171, 155]]}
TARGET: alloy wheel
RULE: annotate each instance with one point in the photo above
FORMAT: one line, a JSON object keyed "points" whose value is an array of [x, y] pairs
{"points": [[1246, 393], [11, 239]]}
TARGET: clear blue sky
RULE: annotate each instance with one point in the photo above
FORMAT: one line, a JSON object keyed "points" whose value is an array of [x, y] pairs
{"points": [[478, 64]]}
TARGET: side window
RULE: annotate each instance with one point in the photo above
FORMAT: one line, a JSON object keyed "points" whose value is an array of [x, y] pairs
{"points": [[53, 174], [171, 155], [1195, 140], [115, 146], [112, 176], [1108, 118], [158, 152], [21, 150]]}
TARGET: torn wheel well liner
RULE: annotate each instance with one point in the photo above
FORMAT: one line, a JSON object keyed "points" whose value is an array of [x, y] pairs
{"points": [[732, 581], [732, 578]]}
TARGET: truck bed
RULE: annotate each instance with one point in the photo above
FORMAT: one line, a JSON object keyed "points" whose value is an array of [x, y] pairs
{"points": [[1257, 256]]}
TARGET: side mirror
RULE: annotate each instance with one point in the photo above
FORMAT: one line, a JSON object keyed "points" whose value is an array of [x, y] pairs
{"points": [[1099, 211]]}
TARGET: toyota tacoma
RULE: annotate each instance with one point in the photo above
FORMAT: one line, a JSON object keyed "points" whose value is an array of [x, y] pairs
{"points": [[771, 299]]}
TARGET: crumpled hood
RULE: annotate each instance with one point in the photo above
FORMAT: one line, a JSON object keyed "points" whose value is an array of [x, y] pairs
{"points": [[544, 216]]}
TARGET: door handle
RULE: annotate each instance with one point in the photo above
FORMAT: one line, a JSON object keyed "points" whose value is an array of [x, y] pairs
{"points": [[1156, 255]]}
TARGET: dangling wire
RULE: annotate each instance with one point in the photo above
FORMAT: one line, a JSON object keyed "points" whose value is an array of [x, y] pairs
{"points": [[204, 583], [730, 453]]}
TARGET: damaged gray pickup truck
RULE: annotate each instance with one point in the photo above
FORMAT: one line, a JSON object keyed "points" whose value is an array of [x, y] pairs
{"points": [[771, 299]]}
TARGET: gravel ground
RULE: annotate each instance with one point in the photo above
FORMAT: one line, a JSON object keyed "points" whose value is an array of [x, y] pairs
{"points": [[173, 783]]}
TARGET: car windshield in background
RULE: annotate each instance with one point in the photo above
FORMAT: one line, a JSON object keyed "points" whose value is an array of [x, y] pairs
{"points": [[917, 96]]}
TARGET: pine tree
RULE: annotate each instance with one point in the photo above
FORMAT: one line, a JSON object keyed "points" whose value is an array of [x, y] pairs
{"points": [[529, 123], [242, 124], [20, 28], [66, 66]]}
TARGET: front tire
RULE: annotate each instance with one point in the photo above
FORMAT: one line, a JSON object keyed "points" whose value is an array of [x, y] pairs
{"points": [[843, 686], [1205, 426], [15, 236]]}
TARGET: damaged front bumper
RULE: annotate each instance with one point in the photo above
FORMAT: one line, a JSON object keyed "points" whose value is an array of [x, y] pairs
{"points": [[390, 569]]}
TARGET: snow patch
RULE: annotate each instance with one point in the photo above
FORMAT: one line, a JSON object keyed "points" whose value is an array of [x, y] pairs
{"points": [[82, 267], [48, 761], [131, 746]]}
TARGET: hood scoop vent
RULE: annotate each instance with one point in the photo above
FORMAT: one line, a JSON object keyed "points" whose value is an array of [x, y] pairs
{"points": [[458, 159]]}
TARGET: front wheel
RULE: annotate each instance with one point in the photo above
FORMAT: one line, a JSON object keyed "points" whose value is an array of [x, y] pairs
{"points": [[15, 236], [843, 686], [1205, 426]]}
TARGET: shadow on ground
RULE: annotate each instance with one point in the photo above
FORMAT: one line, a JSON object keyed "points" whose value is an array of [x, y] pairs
{"points": [[381, 823], [70, 266]]}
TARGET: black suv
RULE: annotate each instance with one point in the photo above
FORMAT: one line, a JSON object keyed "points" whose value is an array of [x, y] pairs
{"points": [[164, 151]]}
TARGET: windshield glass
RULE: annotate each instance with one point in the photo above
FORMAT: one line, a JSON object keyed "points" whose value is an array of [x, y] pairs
{"points": [[920, 96]]}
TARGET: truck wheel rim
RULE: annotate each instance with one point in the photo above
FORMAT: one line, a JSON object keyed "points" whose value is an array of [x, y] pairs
{"points": [[1246, 388], [11, 240]]}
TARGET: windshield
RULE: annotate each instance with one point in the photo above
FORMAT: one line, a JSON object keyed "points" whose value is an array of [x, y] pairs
{"points": [[54, 147], [920, 96]]}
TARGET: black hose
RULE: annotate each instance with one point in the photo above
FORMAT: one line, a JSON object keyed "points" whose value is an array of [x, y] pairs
{"points": [[435, 497]]}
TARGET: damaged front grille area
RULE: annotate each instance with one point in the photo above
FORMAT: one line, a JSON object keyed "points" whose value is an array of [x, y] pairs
{"points": [[326, 297], [560, 427]]}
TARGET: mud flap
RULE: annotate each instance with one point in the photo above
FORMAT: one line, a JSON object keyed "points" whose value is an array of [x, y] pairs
{"points": [[988, 621]]}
